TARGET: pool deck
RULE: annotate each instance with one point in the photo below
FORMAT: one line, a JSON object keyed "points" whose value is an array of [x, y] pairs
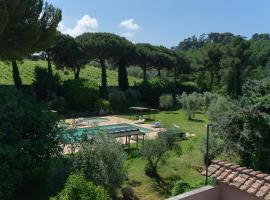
{"points": [[117, 120]]}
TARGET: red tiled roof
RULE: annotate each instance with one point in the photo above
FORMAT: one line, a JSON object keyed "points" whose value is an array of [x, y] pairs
{"points": [[248, 180]]}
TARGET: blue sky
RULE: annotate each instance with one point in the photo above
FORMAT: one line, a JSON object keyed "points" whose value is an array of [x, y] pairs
{"points": [[164, 22]]}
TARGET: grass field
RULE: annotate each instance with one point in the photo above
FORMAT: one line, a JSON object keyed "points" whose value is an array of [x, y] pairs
{"points": [[176, 167], [27, 68]]}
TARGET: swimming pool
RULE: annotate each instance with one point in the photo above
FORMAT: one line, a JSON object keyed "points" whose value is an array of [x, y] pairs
{"points": [[80, 133]]}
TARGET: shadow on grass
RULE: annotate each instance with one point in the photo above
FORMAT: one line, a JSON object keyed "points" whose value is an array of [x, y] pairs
{"points": [[164, 185], [196, 120]]}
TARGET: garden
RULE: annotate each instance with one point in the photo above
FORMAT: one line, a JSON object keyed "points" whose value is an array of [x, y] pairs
{"points": [[54, 83]]}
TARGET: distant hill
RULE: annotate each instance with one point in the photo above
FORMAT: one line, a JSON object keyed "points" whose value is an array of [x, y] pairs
{"points": [[27, 68]]}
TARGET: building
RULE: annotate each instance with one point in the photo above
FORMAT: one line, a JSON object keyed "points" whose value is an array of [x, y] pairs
{"points": [[233, 183]]}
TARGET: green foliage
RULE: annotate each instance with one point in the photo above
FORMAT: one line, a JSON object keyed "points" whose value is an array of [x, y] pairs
{"points": [[81, 94], [155, 151], [30, 25], [180, 187], [103, 104], [45, 85], [190, 103], [166, 102], [117, 100], [128, 193], [78, 188], [66, 53], [28, 139], [133, 96], [152, 90], [101, 160], [245, 129], [58, 172]]}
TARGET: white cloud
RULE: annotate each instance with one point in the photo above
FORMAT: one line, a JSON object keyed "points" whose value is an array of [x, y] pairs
{"points": [[130, 24], [85, 24], [128, 34]]}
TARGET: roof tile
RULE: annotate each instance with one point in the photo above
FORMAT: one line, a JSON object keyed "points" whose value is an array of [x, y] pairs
{"points": [[248, 180]]}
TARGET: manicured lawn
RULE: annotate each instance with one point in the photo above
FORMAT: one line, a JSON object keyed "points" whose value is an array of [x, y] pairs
{"points": [[176, 167]]}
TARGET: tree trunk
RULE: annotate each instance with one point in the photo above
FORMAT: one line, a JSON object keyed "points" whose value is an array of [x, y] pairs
{"points": [[144, 73], [175, 75], [16, 75], [159, 74], [211, 78], [122, 76], [77, 73], [49, 66], [103, 78]]}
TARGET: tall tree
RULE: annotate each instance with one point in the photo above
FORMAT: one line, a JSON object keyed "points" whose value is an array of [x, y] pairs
{"points": [[182, 64], [144, 57], [211, 54], [235, 64], [26, 26], [103, 46], [67, 53]]}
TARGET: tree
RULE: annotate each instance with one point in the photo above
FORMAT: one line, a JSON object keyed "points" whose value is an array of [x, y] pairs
{"points": [[211, 56], [78, 188], [27, 26], [66, 53], [103, 46], [181, 65], [101, 160], [235, 63], [144, 56], [28, 139], [154, 151], [190, 103]]}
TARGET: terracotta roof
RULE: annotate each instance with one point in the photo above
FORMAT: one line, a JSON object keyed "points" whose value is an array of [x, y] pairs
{"points": [[248, 180]]}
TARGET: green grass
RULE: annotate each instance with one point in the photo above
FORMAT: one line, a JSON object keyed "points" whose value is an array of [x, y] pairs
{"points": [[176, 167], [27, 68]]}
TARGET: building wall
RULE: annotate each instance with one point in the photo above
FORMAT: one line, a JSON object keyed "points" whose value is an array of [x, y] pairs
{"points": [[231, 193], [204, 193], [218, 192]]}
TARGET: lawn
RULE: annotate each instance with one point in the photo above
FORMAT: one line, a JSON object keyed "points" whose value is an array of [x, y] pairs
{"points": [[176, 167], [27, 69]]}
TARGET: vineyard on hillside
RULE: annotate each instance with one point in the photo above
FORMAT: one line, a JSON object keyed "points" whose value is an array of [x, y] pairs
{"points": [[27, 69]]}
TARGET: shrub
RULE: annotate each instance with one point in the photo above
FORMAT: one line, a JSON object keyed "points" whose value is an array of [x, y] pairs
{"points": [[180, 187], [152, 90], [103, 104], [188, 87], [190, 103], [128, 193], [102, 160], [45, 84], [166, 102], [77, 188], [154, 151], [133, 96], [81, 94], [28, 139], [117, 100]]}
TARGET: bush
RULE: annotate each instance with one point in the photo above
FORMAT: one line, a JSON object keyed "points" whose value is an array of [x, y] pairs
{"points": [[180, 187], [152, 90], [28, 139], [190, 103], [77, 188], [81, 94], [188, 87], [102, 160], [133, 96], [128, 193], [103, 104], [117, 100], [46, 85], [166, 102]]}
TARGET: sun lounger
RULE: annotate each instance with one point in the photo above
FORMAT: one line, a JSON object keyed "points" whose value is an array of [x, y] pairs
{"points": [[156, 125], [140, 121]]}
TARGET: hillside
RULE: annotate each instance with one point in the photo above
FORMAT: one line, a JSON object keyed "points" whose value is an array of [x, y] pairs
{"points": [[27, 68]]}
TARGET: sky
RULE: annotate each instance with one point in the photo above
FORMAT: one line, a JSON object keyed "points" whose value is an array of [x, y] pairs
{"points": [[164, 22]]}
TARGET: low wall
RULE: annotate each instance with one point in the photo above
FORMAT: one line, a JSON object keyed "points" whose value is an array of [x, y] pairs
{"points": [[204, 193]]}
